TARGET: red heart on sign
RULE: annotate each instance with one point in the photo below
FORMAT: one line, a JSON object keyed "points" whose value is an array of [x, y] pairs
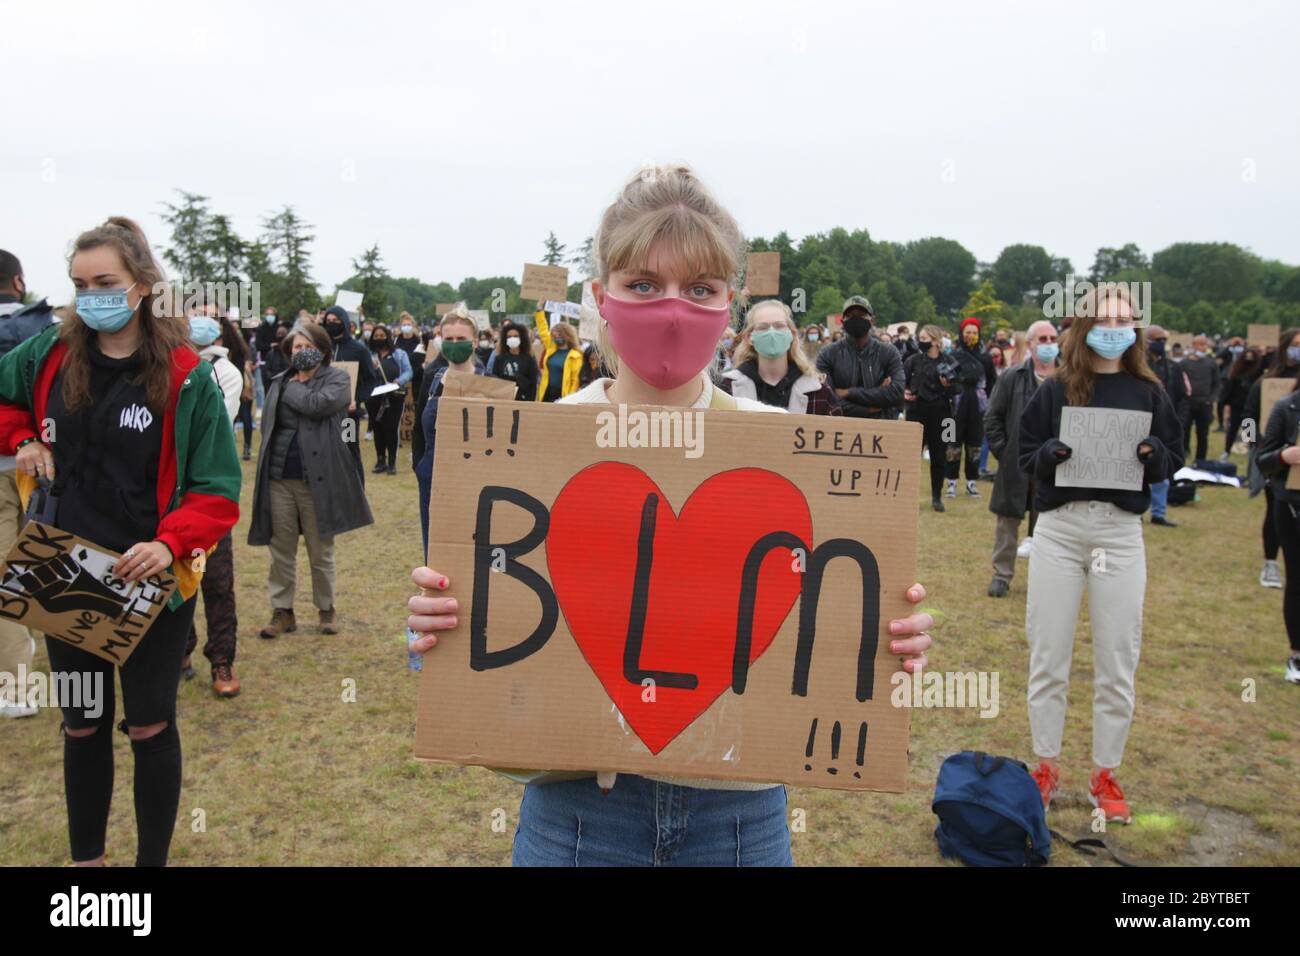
{"points": [[691, 597]]}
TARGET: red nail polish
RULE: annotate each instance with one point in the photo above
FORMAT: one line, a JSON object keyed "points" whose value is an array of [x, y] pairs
{"points": [[442, 583]]}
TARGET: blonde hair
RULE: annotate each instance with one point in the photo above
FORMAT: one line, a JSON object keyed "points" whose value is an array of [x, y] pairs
{"points": [[936, 335], [569, 335], [458, 315], [745, 351], [666, 205]]}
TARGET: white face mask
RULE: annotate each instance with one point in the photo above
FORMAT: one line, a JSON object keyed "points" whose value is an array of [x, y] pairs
{"points": [[437, 341], [512, 341]]}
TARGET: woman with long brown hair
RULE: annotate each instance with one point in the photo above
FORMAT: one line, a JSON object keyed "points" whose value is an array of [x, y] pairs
{"points": [[1091, 536], [142, 461]]}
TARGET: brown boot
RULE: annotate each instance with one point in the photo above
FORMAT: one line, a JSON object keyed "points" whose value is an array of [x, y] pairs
{"points": [[329, 622], [225, 682], [282, 622]]}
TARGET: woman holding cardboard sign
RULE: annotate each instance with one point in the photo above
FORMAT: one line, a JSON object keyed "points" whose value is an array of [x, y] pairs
{"points": [[143, 462], [1277, 454], [669, 259], [1092, 535]]}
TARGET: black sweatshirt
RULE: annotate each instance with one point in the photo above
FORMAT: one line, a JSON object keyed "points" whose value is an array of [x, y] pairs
{"points": [[1040, 429], [106, 455]]}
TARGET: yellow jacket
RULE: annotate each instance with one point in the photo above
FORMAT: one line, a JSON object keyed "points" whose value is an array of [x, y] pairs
{"points": [[572, 361]]}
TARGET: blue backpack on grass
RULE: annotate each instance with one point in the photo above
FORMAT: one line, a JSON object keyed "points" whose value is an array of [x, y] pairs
{"points": [[990, 812]]}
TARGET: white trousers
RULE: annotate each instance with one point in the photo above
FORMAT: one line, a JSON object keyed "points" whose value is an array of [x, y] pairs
{"points": [[1100, 545]]}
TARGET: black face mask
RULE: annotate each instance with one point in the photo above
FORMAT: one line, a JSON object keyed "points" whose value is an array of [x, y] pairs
{"points": [[377, 344], [857, 326], [335, 329], [1157, 347]]}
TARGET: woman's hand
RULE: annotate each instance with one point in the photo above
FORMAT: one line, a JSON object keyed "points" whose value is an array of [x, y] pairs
{"points": [[36, 459], [1290, 455], [430, 614], [908, 637], [142, 560]]}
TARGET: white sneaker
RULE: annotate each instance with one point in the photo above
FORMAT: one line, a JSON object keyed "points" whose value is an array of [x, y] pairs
{"points": [[925, 454], [1293, 669], [952, 488], [10, 709], [1026, 546], [1270, 576], [972, 489]]}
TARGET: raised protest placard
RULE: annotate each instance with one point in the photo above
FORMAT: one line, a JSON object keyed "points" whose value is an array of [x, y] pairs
{"points": [[1179, 338], [545, 282], [351, 301], [442, 308], [621, 613], [482, 318], [63, 586], [835, 321], [1271, 391], [1104, 443], [1263, 336], [570, 310], [763, 273]]}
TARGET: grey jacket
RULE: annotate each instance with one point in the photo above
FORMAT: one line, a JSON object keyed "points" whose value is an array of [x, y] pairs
{"points": [[1010, 395], [330, 469]]}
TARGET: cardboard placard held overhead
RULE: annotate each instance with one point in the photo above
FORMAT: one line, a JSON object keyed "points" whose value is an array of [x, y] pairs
{"points": [[442, 308], [1104, 443], [351, 301], [544, 282], [689, 637], [353, 370], [570, 310], [1179, 338], [468, 385], [1271, 391], [763, 273], [63, 586], [482, 318], [1263, 336]]}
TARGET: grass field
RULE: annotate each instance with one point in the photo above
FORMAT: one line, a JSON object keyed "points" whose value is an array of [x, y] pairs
{"points": [[289, 773]]}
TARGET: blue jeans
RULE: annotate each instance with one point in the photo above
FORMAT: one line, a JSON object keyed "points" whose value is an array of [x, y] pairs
{"points": [[1160, 498], [984, 456], [644, 823]]}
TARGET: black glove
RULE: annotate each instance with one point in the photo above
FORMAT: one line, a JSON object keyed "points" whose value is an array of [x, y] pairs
{"points": [[1153, 444]]}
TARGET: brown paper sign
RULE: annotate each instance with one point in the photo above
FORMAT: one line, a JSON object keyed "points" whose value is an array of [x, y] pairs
{"points": [[407, 427], [545, 282], [353, 370], [677, 592], [63, 586], [763, 273], [1263, 336], [442, 308], [468, 385], [1271, 391]]}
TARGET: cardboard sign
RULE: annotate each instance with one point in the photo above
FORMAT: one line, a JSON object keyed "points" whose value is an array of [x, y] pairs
{"points": [[621, 613], [249, 323], [407, 427], [545, 282], [482, 318], [353, 372], [763, 273], [1104, 443], [468, 385], [442, 308], [1271, 391], [1179, 338], [589, 319], [63, 586], [1263, 336], [899, 327], [351, 301], [570, 310], [835, 322]]}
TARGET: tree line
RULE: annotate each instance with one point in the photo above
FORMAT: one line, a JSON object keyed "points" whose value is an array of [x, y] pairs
{"points": [[1213, 287]]}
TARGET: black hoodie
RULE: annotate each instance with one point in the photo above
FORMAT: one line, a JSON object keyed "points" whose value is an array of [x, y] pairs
{"points": [[348, 349]]}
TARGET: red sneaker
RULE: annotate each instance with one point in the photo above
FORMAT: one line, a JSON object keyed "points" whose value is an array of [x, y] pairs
{"points": [[1104, 792], [1048, 779]]}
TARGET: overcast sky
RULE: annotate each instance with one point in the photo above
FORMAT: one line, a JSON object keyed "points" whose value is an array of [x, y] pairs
{"points": [[457, 138]]}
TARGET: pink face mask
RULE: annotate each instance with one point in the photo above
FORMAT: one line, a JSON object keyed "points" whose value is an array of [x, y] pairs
{"points": [[666, 342]]}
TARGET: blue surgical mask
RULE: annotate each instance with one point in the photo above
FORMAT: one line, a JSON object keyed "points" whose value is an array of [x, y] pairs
{"points": [[204, 330], [1111, 343], [813, 336], [268, 319], [772, 343], [945, 345], [105, 310], [1293, 354], [1047, 353]]}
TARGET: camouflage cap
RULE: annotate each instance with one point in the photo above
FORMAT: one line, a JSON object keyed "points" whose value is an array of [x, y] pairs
{"points": [[858, 301]]}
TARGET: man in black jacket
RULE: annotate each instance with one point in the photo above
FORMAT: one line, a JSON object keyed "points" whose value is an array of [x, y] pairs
{"points": [[866, 375], [1174, 381], [347, 349], [1203, 376], [17, 324]]}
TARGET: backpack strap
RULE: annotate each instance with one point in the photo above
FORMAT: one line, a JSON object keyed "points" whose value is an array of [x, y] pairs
{"points": [[1082, 847]]}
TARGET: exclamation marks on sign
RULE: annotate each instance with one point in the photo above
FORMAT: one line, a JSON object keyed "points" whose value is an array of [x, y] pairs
{"points": [[887, 480], [836, 733], [491, 415]]}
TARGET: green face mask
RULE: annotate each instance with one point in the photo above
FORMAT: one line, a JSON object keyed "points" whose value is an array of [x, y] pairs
{"points": [[457, 352], [771, 343]]}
